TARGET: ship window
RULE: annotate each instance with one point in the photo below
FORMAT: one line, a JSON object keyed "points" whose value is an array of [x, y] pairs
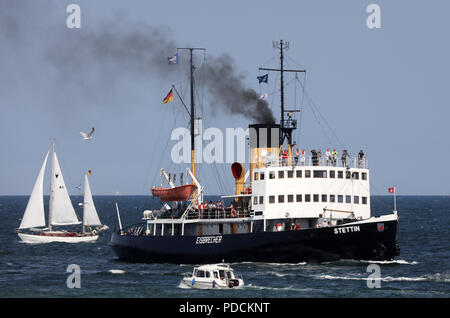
{"points": [[347, 174], [340, 174], [316, 198], [271, 175], [255, 200], [200, 273], [290, 198], [298, 173], [356, 199], [256, 176], [364, 200], [324, 198], [261, 176], [298, 198], [271, 199], [261, 200], [320, 173], [332, 174], [307, 173], [348, 199], [216, 274], [290, 173], [332, 198], [340, 198], [364, 175], [307, 197], [280, 174], [355, 175], [208, 274], [281, 198]]}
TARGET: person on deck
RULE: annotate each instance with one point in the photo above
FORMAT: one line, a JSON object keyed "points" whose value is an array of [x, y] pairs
{"points": [[315, 159], [328, 156], [297, 155], [361, 159], [285, 157], [302, 157], [335, 156], [344, 158]]}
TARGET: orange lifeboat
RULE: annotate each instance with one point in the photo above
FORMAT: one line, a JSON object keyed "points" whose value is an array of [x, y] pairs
{"points": [[180, 193]]}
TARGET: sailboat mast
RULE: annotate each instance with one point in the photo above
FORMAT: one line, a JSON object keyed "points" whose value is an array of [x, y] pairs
{"points": [[50, 206]]}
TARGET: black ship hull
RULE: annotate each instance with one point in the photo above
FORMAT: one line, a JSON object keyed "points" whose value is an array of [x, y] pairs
{"points": [[364, 241]]}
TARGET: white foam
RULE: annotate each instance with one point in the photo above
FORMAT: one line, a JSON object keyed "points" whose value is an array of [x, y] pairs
{"points": [[290, 288], [398, 261], [116, 271], [428, 277]]}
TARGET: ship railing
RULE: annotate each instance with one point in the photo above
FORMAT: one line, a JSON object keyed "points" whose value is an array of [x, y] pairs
{"points": [[136, 229], [217, 213], [322, 161]]}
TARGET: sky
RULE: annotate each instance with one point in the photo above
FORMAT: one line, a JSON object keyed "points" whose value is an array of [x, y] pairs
{"points": [[384, 90]]}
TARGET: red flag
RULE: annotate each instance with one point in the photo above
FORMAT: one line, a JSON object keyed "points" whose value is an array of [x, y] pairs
{"points": [[391, 190]]}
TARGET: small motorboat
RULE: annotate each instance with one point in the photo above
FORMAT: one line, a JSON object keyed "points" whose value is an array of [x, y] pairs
{"points": [[219, 276]]}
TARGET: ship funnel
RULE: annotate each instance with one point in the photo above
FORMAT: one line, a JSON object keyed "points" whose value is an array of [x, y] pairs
{"points": [[238, 171], [264, 145]]}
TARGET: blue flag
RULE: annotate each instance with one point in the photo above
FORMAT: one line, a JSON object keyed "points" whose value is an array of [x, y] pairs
{"points": [[173, 59], [263, 78]]}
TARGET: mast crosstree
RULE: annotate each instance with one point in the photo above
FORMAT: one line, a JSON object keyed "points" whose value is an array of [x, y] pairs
{"points": [[287, 126]]}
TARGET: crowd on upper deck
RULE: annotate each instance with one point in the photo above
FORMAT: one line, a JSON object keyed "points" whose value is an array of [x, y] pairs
{"points": [[317, 158]]}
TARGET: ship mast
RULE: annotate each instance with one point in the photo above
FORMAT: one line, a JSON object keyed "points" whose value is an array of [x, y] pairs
{"points": [[287, 126], [192, 112]]}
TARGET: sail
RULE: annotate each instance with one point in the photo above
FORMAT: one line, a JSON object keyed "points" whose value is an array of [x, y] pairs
{"points": [[61, 209], [34, 212], [90, 216]]}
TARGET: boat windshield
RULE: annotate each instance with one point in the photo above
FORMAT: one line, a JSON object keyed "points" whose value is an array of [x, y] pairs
{"points": [[229, 275]]}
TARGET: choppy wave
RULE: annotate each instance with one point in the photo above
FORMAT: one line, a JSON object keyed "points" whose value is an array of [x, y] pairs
{"points": [[116, 271], [428, 277]]}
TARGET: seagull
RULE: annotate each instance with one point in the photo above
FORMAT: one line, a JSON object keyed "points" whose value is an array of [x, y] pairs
{"points": [[87, 136]]}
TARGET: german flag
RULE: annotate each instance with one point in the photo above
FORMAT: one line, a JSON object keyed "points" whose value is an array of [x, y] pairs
{"points": [[169, 97]]}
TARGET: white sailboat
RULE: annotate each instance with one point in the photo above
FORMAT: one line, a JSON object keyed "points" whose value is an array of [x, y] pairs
{"points": [[61, 212]]}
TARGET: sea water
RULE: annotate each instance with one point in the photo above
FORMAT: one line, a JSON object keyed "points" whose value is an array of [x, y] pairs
{"points": [[40, 270]]}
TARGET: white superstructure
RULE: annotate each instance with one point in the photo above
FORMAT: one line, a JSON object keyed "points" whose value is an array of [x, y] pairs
{"points": [[308, 191]]}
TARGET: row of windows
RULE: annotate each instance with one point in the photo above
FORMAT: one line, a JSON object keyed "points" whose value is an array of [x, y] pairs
{"points": [[332, 198], [315, 174]]}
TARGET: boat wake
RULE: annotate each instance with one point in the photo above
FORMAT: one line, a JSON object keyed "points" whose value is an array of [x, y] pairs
{"points": [[288, 288], [429, 277], [356, 262]]}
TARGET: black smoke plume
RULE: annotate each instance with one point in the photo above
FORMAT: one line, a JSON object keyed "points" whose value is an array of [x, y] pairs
{"points": [[92, 58]]}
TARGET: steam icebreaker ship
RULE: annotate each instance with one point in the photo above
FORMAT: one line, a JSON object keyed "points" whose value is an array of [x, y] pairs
{"points": [[285, 210]]}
